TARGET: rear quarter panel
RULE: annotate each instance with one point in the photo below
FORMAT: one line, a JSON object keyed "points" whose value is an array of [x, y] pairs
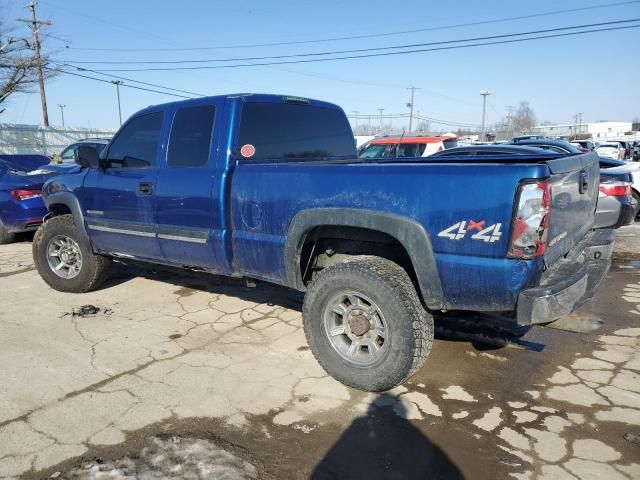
{"points": [[474, 271]]}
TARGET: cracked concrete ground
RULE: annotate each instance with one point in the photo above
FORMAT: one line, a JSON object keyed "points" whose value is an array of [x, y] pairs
{"points": [[173, 355]]}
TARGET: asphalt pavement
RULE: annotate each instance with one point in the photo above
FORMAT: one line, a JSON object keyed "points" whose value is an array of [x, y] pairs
{"points": [[166, 374]]}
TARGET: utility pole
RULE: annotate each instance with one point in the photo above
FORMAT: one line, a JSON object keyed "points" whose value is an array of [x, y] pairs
{"points": [[509, 118], [485, 94], [579, 121], [575, 125], [117, 83], [62, 105], [381, 110], [35, 27], [356, 113], [413, 90]]}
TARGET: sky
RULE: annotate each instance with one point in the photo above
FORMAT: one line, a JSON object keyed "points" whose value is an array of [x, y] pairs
{"points": [[596, 74]]}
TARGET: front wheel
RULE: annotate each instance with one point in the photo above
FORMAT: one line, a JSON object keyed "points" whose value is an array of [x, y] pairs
{"points": [[64, 259], [365, 324]]}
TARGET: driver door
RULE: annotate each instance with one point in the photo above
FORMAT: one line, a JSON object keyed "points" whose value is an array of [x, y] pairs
{"points": [[119, 200]]}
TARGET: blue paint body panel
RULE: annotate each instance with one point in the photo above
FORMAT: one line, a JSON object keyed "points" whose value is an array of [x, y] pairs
{"points": [[233, 215], [16, 172]]}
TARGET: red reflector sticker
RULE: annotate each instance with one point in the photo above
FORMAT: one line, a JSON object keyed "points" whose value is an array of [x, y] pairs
{"points": [[248, 150]]}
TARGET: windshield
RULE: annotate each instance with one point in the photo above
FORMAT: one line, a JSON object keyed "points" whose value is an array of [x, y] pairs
{"points": [[373, 151], [392, 150], [450, 143]]}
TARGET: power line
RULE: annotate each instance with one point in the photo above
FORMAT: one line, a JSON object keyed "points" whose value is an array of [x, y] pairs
{"points": [[82, 69], [373, 35], [59, 70], [391, 116], [371, 55], [342, 52]]}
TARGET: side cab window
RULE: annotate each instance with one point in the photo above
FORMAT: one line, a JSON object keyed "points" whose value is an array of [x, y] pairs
{"points": [[136, 145], [190, 138]]}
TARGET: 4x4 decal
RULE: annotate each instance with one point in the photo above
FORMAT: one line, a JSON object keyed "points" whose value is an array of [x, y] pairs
{"points": [[459, 230]]}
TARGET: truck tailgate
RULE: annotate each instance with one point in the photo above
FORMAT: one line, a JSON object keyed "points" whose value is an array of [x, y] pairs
{"points": [[575, 181]]}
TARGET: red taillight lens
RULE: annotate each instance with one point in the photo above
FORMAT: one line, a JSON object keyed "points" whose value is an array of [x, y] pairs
{"points": [[531, 220], [21, 195], [615, 189]]}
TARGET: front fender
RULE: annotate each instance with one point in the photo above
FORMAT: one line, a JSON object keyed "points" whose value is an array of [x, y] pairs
{"points": [[70, 201]]}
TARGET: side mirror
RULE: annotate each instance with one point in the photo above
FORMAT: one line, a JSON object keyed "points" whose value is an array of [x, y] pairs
{"points": [[87, 157]]}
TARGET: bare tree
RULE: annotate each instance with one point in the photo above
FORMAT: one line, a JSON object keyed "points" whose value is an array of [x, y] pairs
{"points": [[524, 118], [18, 64]]}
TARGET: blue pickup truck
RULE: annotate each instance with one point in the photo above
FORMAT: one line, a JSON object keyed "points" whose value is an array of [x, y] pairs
{"points": [[269, 187]]}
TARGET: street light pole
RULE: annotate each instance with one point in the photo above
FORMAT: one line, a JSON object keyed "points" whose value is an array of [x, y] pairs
{"points": [[117, 83], [485, 94], [356, 113], [381, 110], [62, 105], [413, 91]]}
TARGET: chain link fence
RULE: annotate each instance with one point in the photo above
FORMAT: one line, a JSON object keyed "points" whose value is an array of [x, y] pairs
{"points": [[17, 138]]}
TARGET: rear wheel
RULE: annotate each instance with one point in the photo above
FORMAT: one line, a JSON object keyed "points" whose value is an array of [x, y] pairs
{"points": [[5, 235], [636, 197], [365, 324], [64, 258]]}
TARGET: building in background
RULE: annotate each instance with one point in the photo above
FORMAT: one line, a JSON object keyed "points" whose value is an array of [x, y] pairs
{"points": [[599, 131]]}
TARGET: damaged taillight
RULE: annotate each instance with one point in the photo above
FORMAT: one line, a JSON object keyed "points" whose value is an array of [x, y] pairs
{"points": [[531, 220], [23, 194]]}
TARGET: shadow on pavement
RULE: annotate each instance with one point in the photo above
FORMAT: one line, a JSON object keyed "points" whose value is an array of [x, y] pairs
{"points": [[484, 332], [384, 445]]}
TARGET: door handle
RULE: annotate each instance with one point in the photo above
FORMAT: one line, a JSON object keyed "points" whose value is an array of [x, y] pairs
{"points": [[145, 188]]}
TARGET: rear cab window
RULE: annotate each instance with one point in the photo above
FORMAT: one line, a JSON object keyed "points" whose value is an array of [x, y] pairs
{"points": [[289, 131]]}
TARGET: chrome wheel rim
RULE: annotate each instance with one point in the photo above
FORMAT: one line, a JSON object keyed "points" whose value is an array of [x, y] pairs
{"points": [[64, 257], [356, 328]]}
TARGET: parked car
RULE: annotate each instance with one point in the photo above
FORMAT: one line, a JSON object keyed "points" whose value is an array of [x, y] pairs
{"points": [[67, 156], [527, 137], [610, 150], [616, 204], [636, 151], [626, 146], [273, 190], [587, 145], [414, 146], [21, 180], [633, 168], [557, 146]]}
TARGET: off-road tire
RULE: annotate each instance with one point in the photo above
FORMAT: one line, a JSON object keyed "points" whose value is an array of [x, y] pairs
{"points": [[410, 326], [95, 268], [5, 235]]}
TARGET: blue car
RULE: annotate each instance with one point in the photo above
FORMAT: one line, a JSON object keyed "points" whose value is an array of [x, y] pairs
{"points": [[21, 180]]}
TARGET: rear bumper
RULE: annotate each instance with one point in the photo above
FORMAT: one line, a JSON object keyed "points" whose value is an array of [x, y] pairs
{"points": [[22, 216], [570, 282]]}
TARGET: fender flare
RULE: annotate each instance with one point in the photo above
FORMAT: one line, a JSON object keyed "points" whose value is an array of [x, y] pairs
{"points": [[71, 202], [409, 233]]}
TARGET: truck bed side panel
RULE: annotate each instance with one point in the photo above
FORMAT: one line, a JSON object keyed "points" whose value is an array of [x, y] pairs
{"points": [[465, 209]]}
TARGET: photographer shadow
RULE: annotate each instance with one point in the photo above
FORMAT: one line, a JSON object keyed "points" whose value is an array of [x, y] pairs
{"points": [[385, 445]]}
